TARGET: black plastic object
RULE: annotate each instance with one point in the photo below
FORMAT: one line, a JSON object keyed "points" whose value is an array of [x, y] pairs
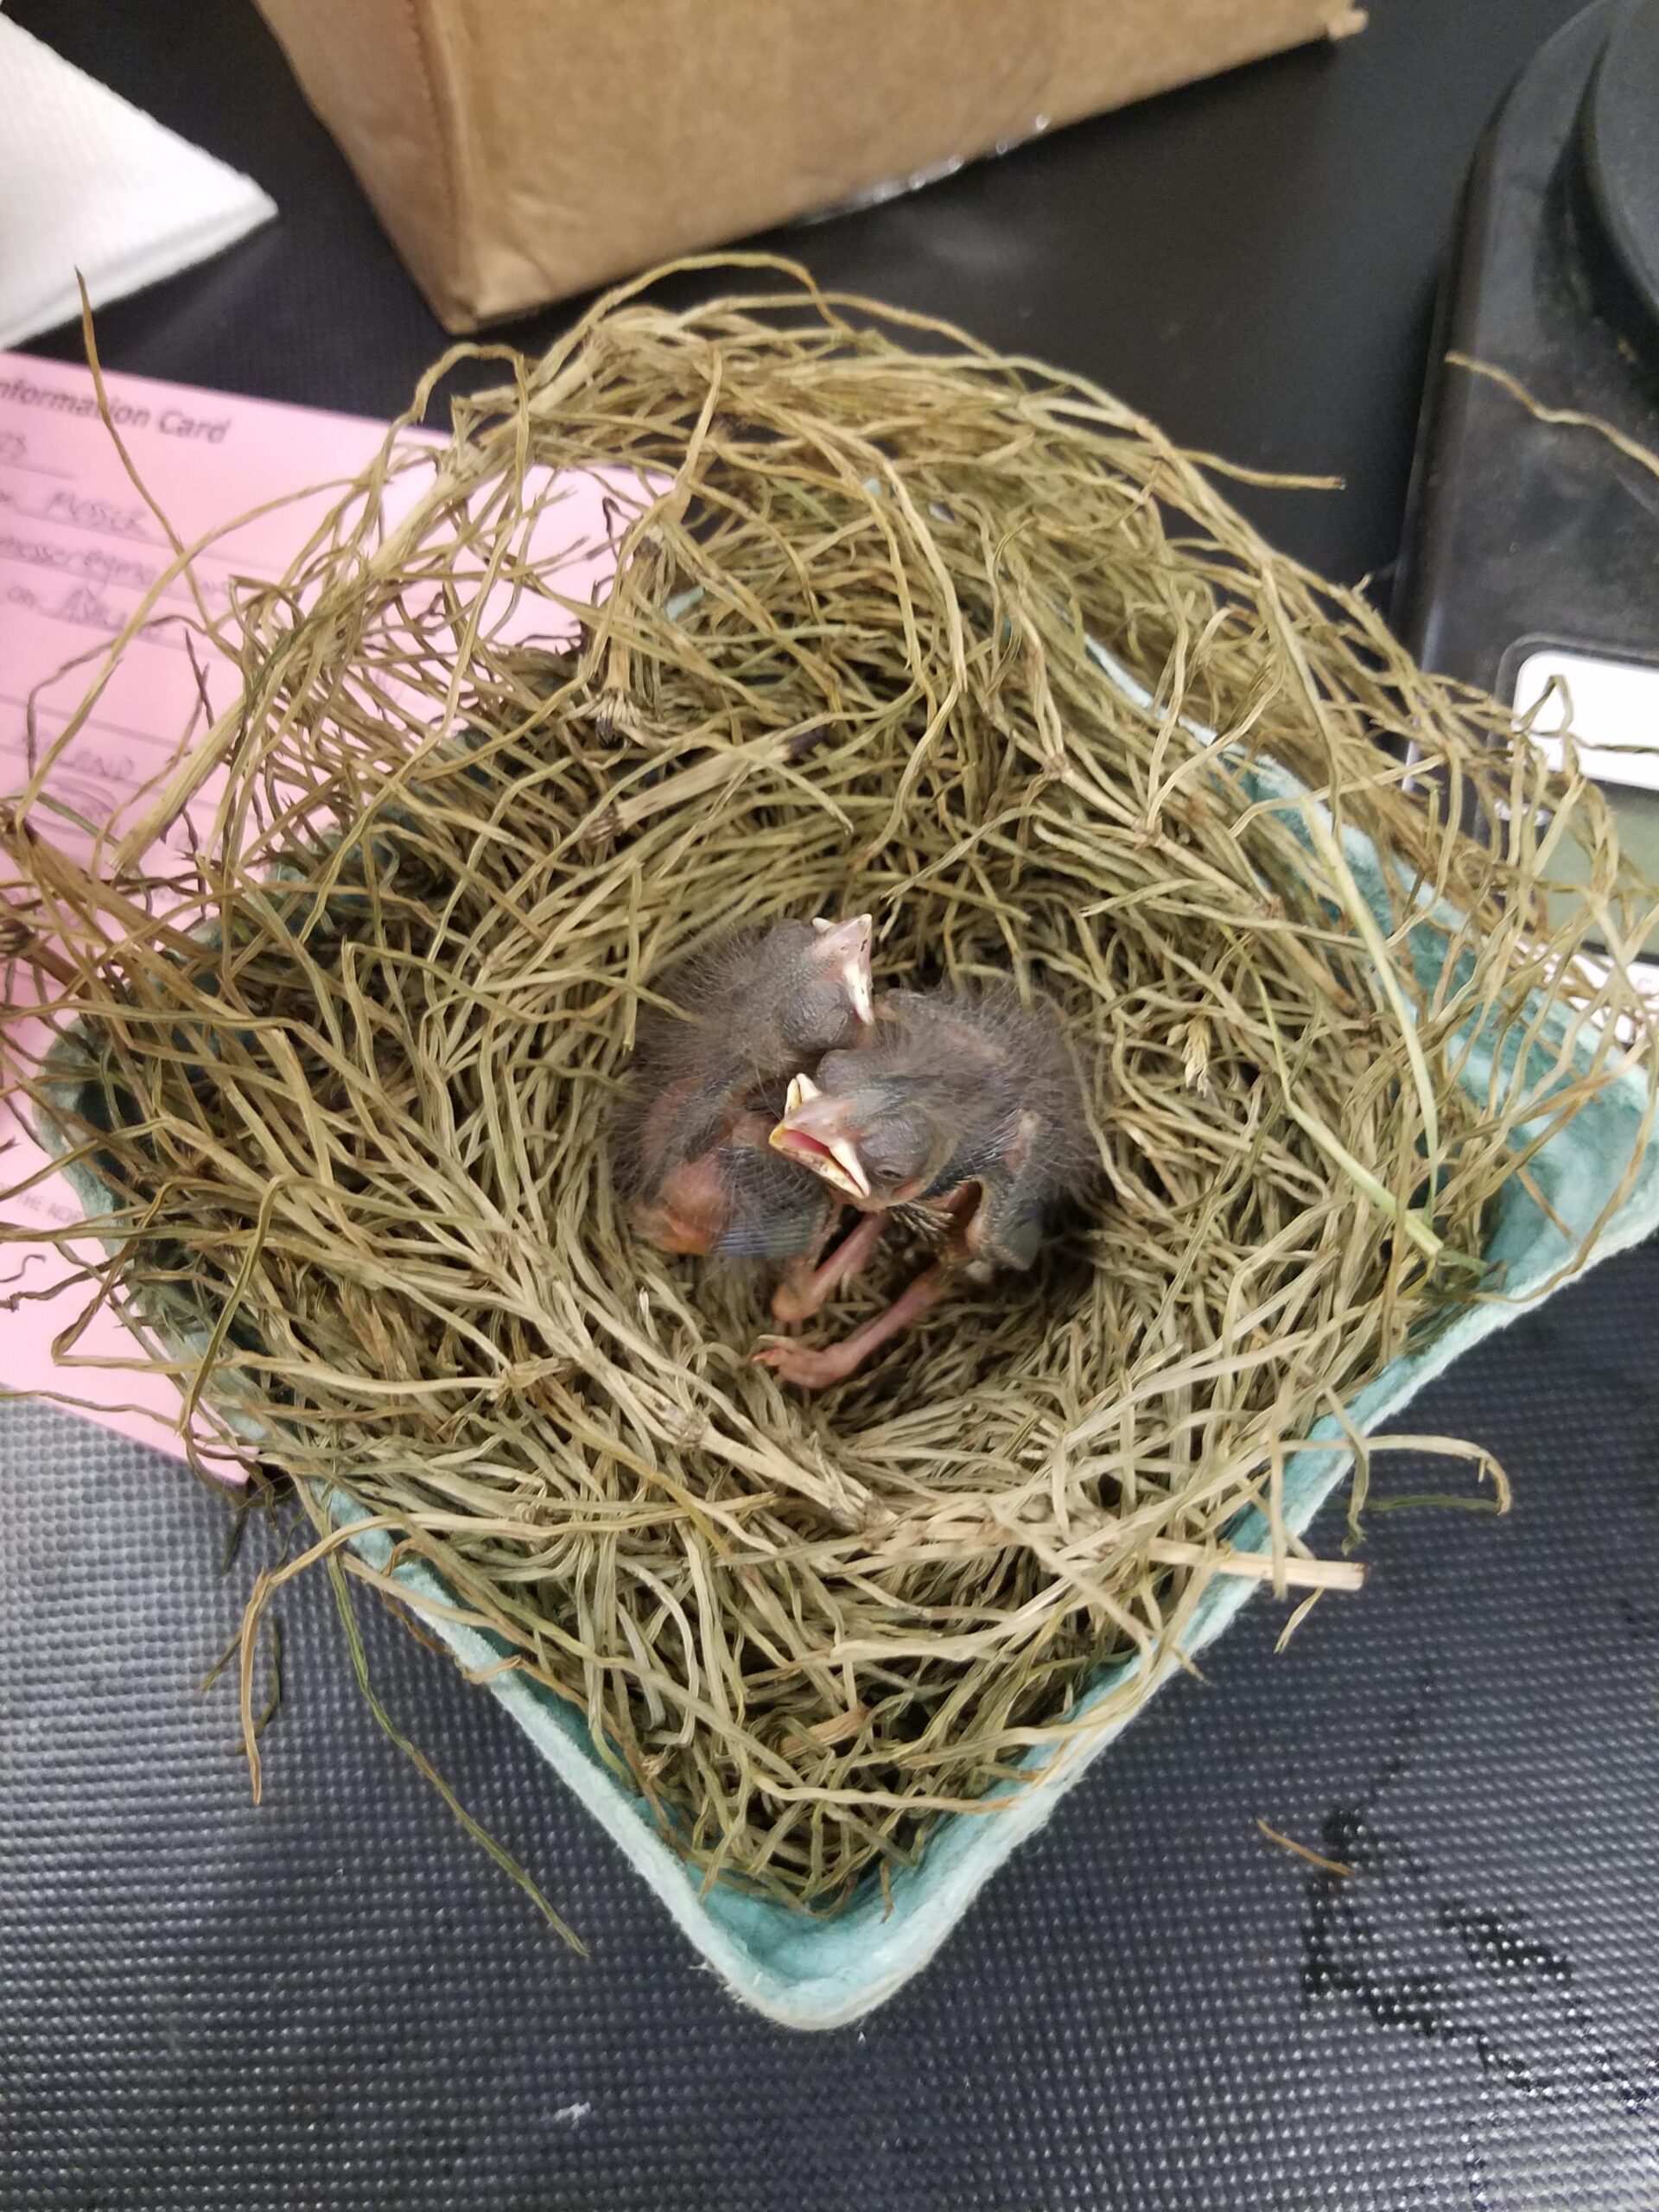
{"points": [[1616, 167], [1521, 534]]}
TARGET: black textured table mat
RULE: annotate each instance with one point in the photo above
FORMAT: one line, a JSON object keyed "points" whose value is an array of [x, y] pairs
{"points": [[334, 2002]]}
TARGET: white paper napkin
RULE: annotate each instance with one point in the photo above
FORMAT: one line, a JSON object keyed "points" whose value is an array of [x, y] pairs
{"points": [[88, 182]]}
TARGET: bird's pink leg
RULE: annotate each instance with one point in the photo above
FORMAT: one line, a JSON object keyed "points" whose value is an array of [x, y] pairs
{"points": [[804, 1287], [811, 1369]]}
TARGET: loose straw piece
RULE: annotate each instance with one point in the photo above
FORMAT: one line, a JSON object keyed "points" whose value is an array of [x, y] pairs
{"points": [[1259, 1567], [1300, 1851]]}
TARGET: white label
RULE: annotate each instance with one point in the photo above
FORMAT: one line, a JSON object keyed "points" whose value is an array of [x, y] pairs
{"points": [[1612, 707]]}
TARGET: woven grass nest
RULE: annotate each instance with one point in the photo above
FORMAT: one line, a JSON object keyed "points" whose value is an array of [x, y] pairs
{"points": [[896, 627]]}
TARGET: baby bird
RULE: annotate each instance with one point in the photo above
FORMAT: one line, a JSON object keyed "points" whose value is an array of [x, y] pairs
{"points": [[690, 1154], [963, 1114]]}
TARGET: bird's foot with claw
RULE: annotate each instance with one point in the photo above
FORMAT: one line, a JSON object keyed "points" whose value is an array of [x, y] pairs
{"points": [[808, 1368]]}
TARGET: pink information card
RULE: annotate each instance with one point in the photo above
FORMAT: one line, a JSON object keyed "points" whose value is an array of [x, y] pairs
{"points": [[79, 549]]}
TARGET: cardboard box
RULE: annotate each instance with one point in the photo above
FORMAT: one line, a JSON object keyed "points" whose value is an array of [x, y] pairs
{"points": [[518, 151]]}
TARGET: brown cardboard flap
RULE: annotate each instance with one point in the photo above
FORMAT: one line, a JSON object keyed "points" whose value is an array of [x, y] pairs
{"points": [[364, 68], [518, 151]]}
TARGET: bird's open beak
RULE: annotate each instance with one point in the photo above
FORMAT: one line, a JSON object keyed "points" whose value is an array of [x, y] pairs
{"points": [[844, 949], [809, 1133]]}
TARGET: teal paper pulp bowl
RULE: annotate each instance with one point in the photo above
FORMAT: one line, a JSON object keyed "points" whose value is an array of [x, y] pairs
{"points": [[811, 1973]]}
